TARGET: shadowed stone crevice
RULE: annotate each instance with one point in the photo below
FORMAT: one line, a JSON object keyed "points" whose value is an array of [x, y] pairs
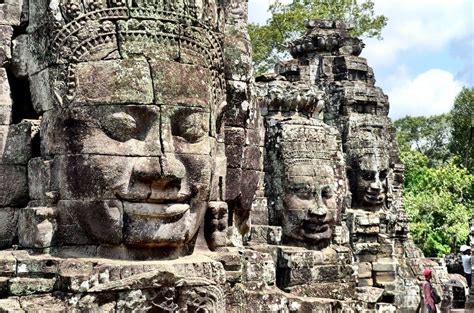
{"points": [[22, 104]]}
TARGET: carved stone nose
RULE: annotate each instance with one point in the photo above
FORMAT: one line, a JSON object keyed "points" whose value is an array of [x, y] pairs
{"points": [[147, 168], [318, 211], [159, 168], [376, 185], [172, 168]]}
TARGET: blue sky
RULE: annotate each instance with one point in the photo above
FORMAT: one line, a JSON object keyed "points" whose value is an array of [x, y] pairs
{"points": [[426, 56]]}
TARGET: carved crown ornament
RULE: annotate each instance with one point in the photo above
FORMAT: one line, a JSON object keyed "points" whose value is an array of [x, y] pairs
{"points": [[95, 30]]}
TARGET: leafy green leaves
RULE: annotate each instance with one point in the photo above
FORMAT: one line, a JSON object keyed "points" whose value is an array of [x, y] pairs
{"points": [[462, 120], [439, 201], [270, 41]]}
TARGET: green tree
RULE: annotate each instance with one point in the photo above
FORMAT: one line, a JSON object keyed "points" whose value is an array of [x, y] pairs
{"points": [[439, 202], [430, 136], [287, 23], [462, 127]]}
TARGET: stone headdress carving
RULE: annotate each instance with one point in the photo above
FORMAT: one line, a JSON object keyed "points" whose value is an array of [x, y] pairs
{"points": [[184, 31]]}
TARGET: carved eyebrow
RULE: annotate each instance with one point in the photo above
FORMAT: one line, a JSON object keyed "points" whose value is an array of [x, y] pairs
{"points": [[301, 186]]}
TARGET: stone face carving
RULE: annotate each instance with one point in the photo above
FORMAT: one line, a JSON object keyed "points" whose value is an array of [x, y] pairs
{"points": [[132, 96], [369, 177], [144, 137], [306, 180]]}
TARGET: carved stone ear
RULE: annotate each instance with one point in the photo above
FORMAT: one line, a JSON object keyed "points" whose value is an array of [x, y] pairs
{"points": [[221, 108], [215, 225]]}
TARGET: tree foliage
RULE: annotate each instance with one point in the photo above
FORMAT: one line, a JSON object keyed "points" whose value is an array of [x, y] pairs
{"points": [[428, 135], [462, 131], [439, 202], [270, 41], [439, 189]]}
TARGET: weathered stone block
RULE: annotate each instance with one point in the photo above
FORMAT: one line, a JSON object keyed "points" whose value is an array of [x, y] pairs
{"points": [[40, 266], [42, 180], [5, 99], [259, 211], [8, 264], [43, 303], [21, 286], [13, 185], [384, 278], [238, 60], [114, 82], [10, 12], [365, 282], [257, 267], [235, 155], [47, 89], [8, 226], [385, 265], [37, 227], [17, 138], [11, 304], [366, 248], [239, 104], [233, 183], [364, 270], [262, 234], [235, 136], [249, 184], [174, 83], [292, 257], [369, 294], [6, 32], [332, 290], [253, 158], [303, 275]]}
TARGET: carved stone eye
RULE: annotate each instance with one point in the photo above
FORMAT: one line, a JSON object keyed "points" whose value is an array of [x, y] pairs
{"points": [[383, 174], [119, 126], [327, 192], [192, 128], [368, 175]]}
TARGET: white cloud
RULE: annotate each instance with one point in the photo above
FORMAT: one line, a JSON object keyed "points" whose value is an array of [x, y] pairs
{"points": [[258, 10], [429, 93], [421, 25]]}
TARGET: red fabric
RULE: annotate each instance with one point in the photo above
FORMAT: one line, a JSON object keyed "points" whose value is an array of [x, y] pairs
{"points": [[428, 295], [427, 272]]}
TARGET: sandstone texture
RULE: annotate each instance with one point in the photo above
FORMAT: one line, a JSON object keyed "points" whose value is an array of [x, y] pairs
{"points": [[143, 167]]}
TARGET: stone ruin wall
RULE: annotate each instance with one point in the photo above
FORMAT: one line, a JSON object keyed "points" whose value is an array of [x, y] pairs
{"points": [[143, 168]]}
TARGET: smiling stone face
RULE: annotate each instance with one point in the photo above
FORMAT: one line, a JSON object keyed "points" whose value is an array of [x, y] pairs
{"points": [[308, 186], [134, 173], [131, 128], [369, 181], [310, 204]]}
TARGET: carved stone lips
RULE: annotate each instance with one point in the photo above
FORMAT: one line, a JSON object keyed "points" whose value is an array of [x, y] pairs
{"points": [[374, 198], [312, 228], [160, 210]]}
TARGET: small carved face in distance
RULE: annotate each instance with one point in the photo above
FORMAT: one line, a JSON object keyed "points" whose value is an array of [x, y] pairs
{"points": [[310, 206], [136, 152], [308, 186], [370, 182]]}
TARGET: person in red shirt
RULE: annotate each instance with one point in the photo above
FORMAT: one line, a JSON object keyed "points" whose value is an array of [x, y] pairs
{"points": [[428, 292]]}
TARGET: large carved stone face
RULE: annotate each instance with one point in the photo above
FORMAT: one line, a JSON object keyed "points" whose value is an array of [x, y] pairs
{"points": [[135, 151], [310, 204], [308, 185], [131, 95], [370, 182]]}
